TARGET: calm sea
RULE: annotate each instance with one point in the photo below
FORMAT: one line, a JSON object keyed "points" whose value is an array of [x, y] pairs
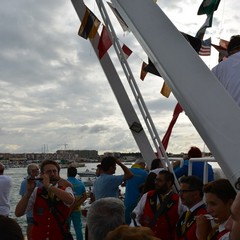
{"points": [[18, 174]]}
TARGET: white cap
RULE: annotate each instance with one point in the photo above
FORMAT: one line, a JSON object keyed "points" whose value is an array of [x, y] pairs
{"points": [[140, 160]]}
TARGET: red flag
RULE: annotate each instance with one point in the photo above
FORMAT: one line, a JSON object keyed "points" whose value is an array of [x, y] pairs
{"points": [[143, 72], [104, 43], [178, 109], [127, 51]]}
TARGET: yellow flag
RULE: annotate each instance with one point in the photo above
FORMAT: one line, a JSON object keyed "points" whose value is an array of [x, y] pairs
{"points": [[165, 91]]}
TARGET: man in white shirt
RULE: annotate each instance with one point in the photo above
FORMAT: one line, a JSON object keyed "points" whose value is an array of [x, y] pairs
{"points": [[5, 186], [228, 71]]}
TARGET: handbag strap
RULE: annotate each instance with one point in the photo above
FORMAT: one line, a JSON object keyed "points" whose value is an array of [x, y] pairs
{"points": [[56, 213]]}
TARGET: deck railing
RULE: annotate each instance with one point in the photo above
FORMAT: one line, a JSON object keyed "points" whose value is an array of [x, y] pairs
{"points": [[217, 171]]}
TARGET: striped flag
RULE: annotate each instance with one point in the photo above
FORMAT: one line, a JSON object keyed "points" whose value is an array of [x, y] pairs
{"points": [[89, 25], [126, 51], [104, 43], [205, 49]]}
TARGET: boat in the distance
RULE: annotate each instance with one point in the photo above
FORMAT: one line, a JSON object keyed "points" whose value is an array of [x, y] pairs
{"points": [[87, 177]]}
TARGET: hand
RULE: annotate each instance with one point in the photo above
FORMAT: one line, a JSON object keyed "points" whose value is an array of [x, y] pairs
{"points": [[46, 180], [118, 162], [31, 184], [203, 227]]}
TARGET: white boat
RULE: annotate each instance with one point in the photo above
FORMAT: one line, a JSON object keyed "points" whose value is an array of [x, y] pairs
{"points": [[71, 163], [87, 177]]}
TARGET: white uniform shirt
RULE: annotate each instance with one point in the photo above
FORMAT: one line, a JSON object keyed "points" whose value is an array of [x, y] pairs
{"points": [[5, 187], [228, 73], [138, 210]]}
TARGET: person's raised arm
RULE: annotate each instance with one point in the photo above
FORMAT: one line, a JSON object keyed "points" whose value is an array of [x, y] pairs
{"points": [[23, 203], [127, 173]]}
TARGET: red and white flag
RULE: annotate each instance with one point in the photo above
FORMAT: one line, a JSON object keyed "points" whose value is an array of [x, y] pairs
{"points": [[126, 51]]}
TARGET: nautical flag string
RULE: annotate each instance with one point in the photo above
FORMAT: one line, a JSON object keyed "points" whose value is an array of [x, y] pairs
{"points": [[126, 51], [151, 68], [89, 25], [143, 73], [104, 43], [166, 90]]}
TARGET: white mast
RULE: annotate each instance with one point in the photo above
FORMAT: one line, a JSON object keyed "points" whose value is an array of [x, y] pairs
{"points": [[119, 92]]}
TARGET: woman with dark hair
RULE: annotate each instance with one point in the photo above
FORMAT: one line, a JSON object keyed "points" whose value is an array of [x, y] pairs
{"points": [[156, 166]]}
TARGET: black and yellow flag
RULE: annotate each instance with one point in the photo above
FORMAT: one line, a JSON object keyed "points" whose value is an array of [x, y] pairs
{"points": [[89, 26]]}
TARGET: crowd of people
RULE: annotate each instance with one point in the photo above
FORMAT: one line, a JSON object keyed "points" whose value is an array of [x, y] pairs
{"points": [[195, 211]]}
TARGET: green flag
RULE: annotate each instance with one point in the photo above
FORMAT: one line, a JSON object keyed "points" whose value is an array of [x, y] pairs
{"points": [[207, 24], [208, 7]]}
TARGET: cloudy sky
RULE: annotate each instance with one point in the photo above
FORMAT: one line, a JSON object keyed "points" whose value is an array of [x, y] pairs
{"points": [[54, 94]]}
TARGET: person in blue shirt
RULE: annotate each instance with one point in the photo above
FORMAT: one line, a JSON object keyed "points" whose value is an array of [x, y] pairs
{"points": [[80, 196], [33, 171], [197, 167], [107, 184], [134, 187]]}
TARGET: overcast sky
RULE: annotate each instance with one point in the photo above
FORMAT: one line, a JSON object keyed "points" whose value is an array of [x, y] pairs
{"points": [[55, 94]]}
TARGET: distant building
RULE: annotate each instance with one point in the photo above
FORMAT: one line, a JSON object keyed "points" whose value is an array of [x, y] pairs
{"points": [[90, 154], [114, 154], [78, 154]]}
